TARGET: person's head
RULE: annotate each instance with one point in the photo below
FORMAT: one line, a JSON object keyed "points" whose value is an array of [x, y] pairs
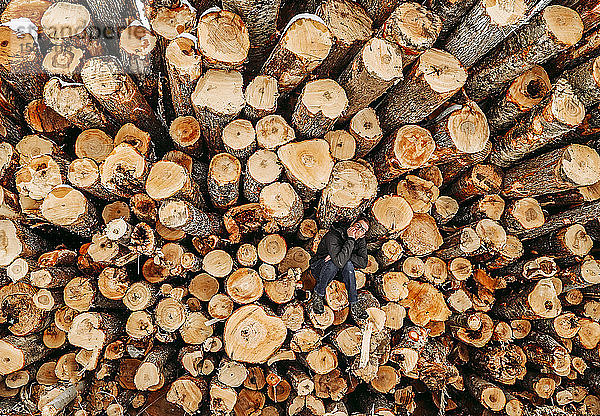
{"points": [[360, 227]]}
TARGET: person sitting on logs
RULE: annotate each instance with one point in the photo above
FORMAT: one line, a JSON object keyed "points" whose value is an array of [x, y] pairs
{"points": [[342, 250]]}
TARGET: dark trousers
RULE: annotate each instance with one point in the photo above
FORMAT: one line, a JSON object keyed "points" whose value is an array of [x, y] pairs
{"points": [[325, 272]]}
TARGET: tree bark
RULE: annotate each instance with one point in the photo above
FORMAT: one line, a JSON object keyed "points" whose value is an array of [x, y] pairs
{"points": [[434, 78], [546, 34]]}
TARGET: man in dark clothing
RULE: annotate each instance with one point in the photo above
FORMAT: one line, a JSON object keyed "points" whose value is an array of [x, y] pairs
{"points": [[340, 250]]}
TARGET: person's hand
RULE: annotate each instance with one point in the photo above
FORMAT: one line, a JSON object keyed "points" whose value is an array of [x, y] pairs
{"points": [[352, 232], [360, 233], [328, 258]]}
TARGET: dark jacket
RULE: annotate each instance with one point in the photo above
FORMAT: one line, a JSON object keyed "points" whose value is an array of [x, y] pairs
{"points": [[341, 248]]}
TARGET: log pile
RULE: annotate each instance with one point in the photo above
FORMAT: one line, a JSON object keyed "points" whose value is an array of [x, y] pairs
{"points": [[168, 168]]}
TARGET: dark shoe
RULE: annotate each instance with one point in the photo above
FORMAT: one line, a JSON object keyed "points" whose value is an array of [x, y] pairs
{"points": [[358, 312], [317, 304]]}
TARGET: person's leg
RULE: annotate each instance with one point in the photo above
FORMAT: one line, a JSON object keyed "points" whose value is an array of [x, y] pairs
{"points": [[349, 279], [325, 273]]}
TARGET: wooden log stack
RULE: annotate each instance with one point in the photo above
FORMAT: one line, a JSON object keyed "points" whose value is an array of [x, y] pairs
{"points": [[168, 169]]}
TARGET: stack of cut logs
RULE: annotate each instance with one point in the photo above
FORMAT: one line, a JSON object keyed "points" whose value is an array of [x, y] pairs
{"points": [[169, 167]]}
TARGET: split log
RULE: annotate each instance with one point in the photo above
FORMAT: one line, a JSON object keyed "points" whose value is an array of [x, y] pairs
{"points": [[304, 44], [435, 77], [545, 35]]}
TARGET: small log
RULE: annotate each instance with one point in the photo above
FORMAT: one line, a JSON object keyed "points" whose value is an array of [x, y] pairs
{"points": [[214, 114], [412, 39], [21, 59], [280, 202], [183, 215], [348, 34], [341, 144], [419, 193], [488, 394], [421, 236], [321, 103], [583, 81], [150, 372], [75, 103], [187, 392], [479, 180], [168, 179], [444, 209], [224, 180], [523, 94], [565, 243], [94, 144], [223, 39], [482, 28], [184, 67], [244, 286], [557, 170], [84, 174], [239, 139], [123, 170], [293, 59], [557, 114], [261, 96], [171, 19], [538, 300], [253, 346], [410, 147], [122, 99], [460, 134], [351, 188], [545, 35], [450, 13], [273, 131], [68, 208], [364, 127], [388, 215], [376, 67], [308, 165], [434, 78]]}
